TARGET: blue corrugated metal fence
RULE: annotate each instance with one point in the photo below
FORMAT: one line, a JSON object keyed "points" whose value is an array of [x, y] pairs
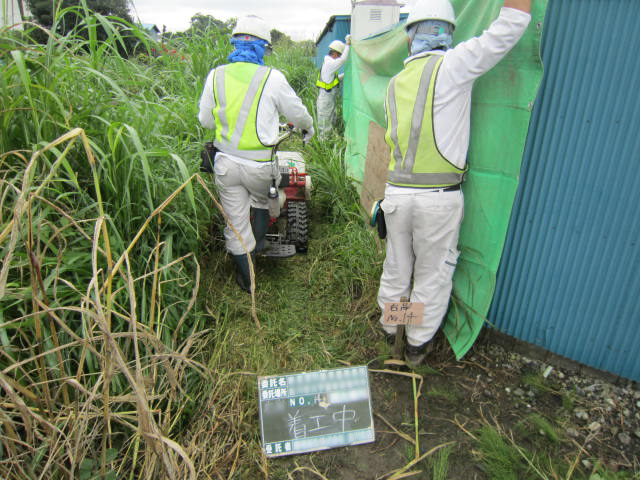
{"points": [[568, 280]]}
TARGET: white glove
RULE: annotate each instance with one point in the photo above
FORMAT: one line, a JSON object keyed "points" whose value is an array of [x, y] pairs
{"points": [[308, 135], [347, 39], [285, 127]]}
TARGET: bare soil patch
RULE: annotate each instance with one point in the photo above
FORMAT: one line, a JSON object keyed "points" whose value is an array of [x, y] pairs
{"points": [[594, 422]]}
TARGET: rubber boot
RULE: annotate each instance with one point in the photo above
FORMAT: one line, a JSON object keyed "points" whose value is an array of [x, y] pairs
{"points": [[243, 277], [414, 355], [259, 226]]}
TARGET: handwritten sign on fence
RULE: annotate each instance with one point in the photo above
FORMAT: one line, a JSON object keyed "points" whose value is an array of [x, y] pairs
{"points": [[403, 313], [312, 411]]}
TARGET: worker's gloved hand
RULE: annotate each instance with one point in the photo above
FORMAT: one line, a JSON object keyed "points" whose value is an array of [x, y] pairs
{"points": [[285, 127], [308, 135], [347, 39]]}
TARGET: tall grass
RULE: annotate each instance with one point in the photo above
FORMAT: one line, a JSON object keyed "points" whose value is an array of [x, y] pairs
{"points": [[99, 231], [334, 190], [93, 354]]}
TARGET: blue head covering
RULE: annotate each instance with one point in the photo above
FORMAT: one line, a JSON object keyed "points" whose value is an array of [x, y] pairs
{"points": [[430, 35], [251, 51]]}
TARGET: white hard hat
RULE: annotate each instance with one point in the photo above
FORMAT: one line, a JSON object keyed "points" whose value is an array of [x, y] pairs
{"points": [[337, 46], [431, 10], [252, 25]]}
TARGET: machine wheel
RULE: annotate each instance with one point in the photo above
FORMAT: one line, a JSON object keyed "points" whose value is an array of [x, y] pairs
{"points": [[298, 226]]}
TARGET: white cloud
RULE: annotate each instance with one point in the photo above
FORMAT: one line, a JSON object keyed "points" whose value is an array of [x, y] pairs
{"points": [[300, 19]]}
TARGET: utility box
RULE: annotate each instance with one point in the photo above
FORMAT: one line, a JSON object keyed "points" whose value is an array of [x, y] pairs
{"points": [[369, 17], [10, 13]]}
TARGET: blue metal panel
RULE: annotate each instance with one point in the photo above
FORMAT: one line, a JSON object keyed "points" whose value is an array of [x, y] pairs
{"points": [[568, 280]]}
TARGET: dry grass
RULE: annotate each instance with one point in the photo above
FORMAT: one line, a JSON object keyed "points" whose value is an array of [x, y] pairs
{"points": [[99, 399]]}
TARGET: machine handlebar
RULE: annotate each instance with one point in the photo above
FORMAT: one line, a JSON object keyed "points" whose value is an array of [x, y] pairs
{"points": [[287, 130]]}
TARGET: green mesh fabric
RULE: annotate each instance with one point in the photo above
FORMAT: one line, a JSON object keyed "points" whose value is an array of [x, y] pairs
{"points": [[501, 110]]}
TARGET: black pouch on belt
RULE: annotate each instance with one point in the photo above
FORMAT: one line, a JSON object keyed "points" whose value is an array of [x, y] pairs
{"points": [[377, 220], [208, 155]]}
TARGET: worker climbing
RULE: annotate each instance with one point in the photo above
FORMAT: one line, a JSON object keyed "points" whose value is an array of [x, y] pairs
{"points": [[241, 102], [428, 127], [328, 84]]}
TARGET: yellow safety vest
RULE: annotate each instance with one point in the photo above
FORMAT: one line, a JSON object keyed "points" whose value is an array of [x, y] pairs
{"points": [[237, 89], [328, 86], [415, 158]]}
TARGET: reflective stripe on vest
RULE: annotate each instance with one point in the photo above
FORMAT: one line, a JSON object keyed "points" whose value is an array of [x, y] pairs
{"points": [[415, 158], [328, 86], [236, 109]]}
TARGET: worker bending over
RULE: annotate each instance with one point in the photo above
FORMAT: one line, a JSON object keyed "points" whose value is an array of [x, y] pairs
{"points": [[242, 102], [328, 85], [428, 121]]}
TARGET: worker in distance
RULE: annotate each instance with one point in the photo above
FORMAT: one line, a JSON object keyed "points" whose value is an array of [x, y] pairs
{"points": [[242, 102], [328, 84], [428, 125]]}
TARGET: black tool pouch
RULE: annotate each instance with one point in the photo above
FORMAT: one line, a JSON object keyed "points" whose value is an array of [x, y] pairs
{"points": [[377, 219], [208, 156], [381, 224]]}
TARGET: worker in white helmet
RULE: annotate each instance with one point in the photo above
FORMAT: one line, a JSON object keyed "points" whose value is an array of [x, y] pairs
{"points": [[242, 101], [328, 85], [428, 123]]}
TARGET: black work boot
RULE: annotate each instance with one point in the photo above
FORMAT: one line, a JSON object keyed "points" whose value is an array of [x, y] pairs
{"points": [[390, 338], [243, 276], [259, 226], [414, 355]]}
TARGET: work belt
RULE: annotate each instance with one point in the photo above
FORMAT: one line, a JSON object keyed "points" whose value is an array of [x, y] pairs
{"points": [[452, 188]]}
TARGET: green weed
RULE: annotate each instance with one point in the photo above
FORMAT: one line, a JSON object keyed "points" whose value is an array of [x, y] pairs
{"points": [[504, 457], [568, 402], [447, 395], [535, 425], [438, 464], [501, 460]]}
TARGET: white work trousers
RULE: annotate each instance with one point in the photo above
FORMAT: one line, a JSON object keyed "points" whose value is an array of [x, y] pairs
{"points": [[422, 243], [240, 187], [326, 110]]}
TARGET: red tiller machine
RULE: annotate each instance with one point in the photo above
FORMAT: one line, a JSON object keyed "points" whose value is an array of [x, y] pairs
{"points": [[289, 227]]}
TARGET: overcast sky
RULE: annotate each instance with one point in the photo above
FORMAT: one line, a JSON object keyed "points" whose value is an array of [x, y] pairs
{"points": [[300, 19]]}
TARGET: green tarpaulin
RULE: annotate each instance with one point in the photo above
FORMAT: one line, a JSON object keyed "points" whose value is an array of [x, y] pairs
{"points": [[501, 110]]}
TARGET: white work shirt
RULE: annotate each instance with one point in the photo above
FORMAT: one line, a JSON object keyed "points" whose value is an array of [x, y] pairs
{"points": [[278, 98], [331, 65], [460, 67]]}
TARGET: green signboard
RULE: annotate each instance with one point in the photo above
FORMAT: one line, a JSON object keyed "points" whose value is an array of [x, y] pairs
{"points": [[315, 410]]}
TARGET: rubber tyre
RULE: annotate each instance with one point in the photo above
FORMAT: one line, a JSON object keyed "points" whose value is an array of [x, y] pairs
{"points": [[298, 226]]}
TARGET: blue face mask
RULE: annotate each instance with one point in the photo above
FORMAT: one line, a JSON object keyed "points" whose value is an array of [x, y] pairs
{"points": [[430, 35], [251, 51], [425, 42]]}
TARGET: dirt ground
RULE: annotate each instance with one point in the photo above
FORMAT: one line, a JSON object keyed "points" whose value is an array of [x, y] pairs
{"points": [[597, 422]]}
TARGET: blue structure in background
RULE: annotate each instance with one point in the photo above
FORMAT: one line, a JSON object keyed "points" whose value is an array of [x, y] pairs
{"points": [[568, 280], [338, 27]]}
